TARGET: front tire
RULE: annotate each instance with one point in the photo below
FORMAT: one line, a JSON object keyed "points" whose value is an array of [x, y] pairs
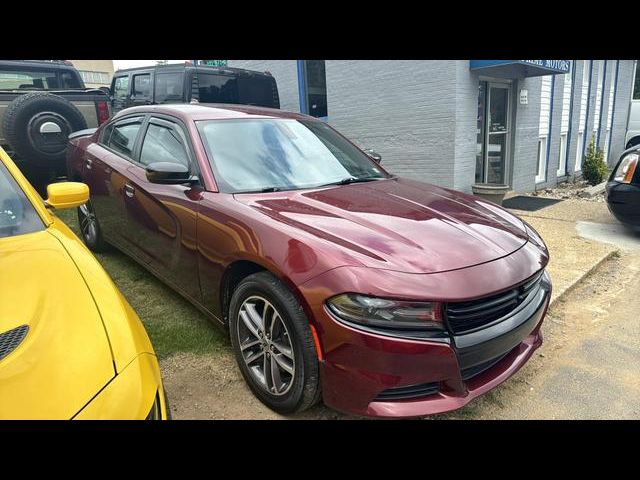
{"points": [[273, 344], [90, 228]]}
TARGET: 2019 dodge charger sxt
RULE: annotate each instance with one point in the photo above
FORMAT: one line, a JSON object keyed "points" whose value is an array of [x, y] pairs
{"points": [[381, 295]]}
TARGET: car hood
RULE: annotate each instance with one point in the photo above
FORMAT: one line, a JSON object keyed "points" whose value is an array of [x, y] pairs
{"points": [[65, 358], [397, 224]]}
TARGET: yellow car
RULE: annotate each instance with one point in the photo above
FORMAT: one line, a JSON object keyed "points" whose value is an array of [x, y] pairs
{"points": [[71, 347]]}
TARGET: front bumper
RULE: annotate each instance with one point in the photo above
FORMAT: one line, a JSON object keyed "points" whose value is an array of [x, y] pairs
{"points": [[358, 375], [623, 201]]}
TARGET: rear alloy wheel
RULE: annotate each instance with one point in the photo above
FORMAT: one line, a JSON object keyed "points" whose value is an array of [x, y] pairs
{"points": [[273, 344], [90, 228]]}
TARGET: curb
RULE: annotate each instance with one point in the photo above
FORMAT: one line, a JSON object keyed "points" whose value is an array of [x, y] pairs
{"points": [[570, 288]]}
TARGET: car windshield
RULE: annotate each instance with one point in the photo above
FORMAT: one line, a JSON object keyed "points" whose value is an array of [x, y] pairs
{"points": [[256, 155], [17, 215]]}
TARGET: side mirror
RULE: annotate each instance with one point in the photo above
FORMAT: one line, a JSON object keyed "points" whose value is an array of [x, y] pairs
{"points": [[66, 195], [168, 173], [376, 157]]}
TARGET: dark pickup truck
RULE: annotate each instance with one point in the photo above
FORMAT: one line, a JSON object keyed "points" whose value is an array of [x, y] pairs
{"points": [[187, 83], [41, 104]]}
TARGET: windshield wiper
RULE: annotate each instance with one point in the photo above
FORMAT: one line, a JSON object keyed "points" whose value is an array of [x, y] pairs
{"points": [[270, 189], [348, 180]]}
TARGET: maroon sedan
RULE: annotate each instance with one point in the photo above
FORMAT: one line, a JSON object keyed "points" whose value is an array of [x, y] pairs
{"points": [[336, 280]]}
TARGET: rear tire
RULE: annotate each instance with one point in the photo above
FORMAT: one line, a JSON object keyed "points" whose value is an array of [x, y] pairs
{"points": [[271, 333], [90, 230]]}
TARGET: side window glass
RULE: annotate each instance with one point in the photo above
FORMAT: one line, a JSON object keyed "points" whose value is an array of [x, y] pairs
{"points": [[163, 144], [106, 133], [123, 137], [121, 88], [142, 85], [169, 87]]}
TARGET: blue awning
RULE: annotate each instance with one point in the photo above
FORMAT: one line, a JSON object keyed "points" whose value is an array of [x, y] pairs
{"points": [[520, 68]]}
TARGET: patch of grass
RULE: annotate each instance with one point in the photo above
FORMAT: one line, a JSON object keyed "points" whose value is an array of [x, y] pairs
{"points": [[173, 324]]}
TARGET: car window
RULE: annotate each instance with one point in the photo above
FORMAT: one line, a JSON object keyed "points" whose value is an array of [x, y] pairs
{"points": [[163, 144], [257, 90], [17, 215], [121, 88], [123, 137], [106, 134], [29, 79], [169, 87], [69, 80], [215, 88], [142, 85], [250, 90]]}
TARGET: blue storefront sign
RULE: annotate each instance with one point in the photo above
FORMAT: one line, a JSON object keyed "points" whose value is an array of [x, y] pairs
{"points": [[520, 68]]}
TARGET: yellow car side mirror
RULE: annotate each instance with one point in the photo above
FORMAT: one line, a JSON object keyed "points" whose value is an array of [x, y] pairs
{"points": [[67, 195]]}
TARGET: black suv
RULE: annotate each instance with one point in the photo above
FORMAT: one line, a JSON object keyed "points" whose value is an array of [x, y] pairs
{"points": [[186, 83]]}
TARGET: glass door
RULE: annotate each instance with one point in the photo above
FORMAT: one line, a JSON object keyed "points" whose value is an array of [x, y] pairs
{"points": [[493, 129]]}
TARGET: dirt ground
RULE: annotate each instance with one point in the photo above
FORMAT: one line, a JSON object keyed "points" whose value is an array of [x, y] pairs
{"points": [[588, 366]]}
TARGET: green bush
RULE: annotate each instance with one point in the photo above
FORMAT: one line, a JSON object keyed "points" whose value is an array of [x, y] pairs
{"points": [[594, 168]]}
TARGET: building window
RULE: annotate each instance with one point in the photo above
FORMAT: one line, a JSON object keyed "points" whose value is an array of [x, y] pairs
{"points": [[544, 129], [542, 160], [94, 77], [612, 99], [313, 88], [579, 147], [562, 167], [582, 120], [599, 93], [564, 124]]}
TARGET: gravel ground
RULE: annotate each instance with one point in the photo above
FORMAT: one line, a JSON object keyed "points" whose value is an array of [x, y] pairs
{"points": [[569, 190]]}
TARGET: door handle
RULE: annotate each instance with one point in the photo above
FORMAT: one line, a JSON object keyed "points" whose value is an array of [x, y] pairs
{"points": [[89, 163], [129, 191]]}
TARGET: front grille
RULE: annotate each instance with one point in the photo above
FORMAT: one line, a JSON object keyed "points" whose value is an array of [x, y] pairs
{"points": [[10, 339], [469, 373], [464, 317], [409, 392]]}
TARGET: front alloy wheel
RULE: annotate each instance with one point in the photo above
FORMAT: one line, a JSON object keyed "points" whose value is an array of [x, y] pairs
{"points": [[266, 345], [273, 344]]}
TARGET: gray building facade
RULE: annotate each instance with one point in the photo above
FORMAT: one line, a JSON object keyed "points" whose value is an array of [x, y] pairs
{"points": [[457, 123]]}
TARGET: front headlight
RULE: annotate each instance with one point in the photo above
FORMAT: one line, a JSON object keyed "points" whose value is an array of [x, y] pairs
{"points": [[385, 314], [626, 168]]}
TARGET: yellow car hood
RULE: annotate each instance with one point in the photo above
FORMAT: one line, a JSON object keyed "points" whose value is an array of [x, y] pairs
{"points": [[65, 359]]}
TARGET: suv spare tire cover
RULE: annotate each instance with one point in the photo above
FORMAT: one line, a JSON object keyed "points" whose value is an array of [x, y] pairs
{"points": [[37, 125]]}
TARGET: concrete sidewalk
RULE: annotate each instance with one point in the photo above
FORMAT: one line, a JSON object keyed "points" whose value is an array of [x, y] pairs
{"points": [[572, 256]]}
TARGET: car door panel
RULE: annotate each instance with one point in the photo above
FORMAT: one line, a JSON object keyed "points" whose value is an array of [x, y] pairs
{"points": [[103, 173], [161, 227]]}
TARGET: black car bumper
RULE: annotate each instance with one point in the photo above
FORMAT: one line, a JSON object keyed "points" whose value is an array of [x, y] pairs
{"points": [[623, 200]]}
